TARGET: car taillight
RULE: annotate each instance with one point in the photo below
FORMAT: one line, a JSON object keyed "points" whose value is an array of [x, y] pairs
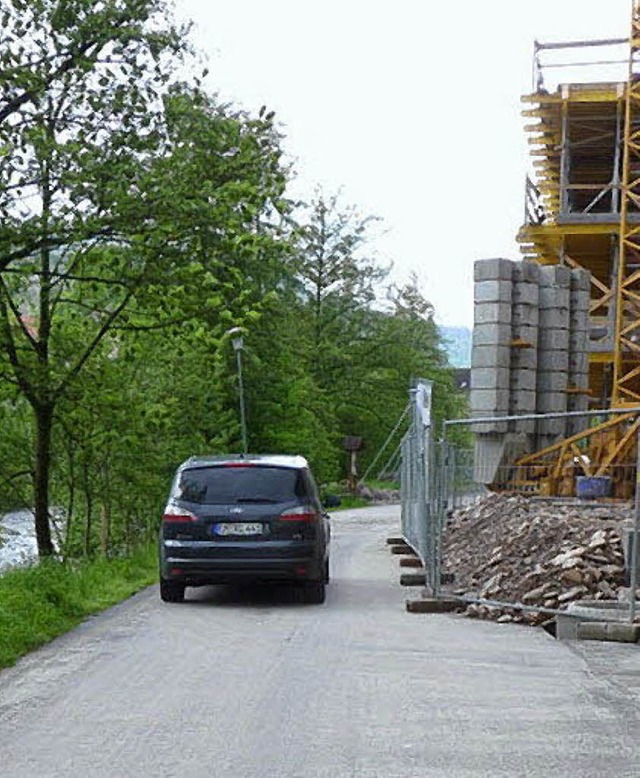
{"points": [[174, 514], [299, 513]]}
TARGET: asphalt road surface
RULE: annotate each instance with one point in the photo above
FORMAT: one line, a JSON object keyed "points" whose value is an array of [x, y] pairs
{"points": [[247, 684]]}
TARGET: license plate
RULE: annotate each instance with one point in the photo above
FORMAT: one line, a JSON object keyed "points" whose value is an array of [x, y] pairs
{"points": [[241, 528]]}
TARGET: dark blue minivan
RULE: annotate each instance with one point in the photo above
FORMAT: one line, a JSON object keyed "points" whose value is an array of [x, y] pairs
{"points": [[244, 518]]}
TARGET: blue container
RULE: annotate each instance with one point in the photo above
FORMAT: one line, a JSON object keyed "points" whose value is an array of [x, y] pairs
{"points": [[591, 487]]}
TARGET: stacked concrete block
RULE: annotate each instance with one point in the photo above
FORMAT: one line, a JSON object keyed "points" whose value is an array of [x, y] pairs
{"points": [[524, 348], [578, 399], [490, 366], [553, 351], [530, 355]]}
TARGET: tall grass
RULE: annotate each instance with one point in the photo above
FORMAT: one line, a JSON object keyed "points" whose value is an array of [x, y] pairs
{"points": [[41, 602]]}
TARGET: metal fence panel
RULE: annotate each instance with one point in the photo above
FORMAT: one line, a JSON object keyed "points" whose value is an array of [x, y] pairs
{"points": [[419, 475]]}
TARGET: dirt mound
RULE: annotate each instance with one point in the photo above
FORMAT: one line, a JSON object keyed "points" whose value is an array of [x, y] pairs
{"points": [[534, 551]]}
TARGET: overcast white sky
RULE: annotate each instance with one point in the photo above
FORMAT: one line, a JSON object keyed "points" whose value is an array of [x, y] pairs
{"points": [[412, 107]]}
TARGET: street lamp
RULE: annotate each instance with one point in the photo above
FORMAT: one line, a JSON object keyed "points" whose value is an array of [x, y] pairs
{"points": [[238, 344]]}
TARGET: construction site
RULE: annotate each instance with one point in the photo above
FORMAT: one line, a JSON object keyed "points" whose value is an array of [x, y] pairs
{"points": [[556, 346], [541, 526]]}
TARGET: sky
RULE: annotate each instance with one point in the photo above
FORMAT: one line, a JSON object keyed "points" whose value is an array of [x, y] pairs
{"points": [[410, 108]]}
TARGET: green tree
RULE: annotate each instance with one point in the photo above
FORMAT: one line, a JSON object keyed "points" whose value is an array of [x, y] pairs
{"points": [[119, 197]]}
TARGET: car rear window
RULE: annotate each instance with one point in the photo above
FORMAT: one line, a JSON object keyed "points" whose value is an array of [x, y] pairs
{"points": [[223, 485]]}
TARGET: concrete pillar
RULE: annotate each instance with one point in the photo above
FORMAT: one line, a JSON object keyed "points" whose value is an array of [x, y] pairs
{"points": [[553, 350], [580, 298], [524, 352], [491, 338]]}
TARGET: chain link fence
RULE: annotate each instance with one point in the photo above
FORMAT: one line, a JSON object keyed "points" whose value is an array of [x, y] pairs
{"points": [[420, 472], [441, 475]]}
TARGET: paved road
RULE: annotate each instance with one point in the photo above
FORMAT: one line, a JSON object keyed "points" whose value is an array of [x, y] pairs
{"points": [[253, 685]]}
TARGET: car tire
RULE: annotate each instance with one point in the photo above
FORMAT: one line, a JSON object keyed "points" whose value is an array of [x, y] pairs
{"points": [[325, 571], [314, 593], [171, 591]]}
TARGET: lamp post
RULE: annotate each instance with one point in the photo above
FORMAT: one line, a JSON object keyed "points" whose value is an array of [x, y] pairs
{"points": [[238, 344]]}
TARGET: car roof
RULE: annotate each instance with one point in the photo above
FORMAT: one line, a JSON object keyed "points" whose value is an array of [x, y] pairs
{"points": [[266, 460]]}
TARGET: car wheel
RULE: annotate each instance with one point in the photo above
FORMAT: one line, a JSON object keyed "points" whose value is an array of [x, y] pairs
{"points": [[325, 571], [171, 591], [314, 593]]}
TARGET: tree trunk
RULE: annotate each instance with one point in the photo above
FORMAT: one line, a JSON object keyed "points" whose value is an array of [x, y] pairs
{"points": [[44, 424], [105, 516], [88, 524], [105, 526]]}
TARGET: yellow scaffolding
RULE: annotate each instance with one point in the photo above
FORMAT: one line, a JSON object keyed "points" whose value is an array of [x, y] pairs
{"points": [[583, 210]]}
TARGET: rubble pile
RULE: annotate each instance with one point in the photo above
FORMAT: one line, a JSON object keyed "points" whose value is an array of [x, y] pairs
{"points": [[517, 549]]}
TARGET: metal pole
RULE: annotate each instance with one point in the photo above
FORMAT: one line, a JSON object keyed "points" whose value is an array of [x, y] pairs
{"points": [[634, 546], [535, 416], [243, 419]]}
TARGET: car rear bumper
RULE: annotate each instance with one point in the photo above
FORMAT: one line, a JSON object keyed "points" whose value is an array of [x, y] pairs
{"points": [[198, 563]]}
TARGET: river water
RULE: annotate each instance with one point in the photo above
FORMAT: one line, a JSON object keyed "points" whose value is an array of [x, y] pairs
{"points": [[17, 539], [18, 544]]}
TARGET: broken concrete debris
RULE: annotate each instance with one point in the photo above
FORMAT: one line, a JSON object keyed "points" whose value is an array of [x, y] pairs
{"points": [[534, 551]]}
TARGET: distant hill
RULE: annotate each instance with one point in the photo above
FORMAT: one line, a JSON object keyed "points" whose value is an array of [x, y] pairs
{"points": [[457, 342]]}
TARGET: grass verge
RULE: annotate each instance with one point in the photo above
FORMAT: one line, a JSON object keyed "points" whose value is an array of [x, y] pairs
{"points": [[350, 501], [41, 602]]}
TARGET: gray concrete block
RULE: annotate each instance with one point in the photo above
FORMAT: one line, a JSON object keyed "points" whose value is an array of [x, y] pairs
{"points": [[578, 341], [579, 315], [491, 334], [524, 314], [609, 631], [551, 402], [523, 401], [489, 401], [582, 327], [576, 403], [553, 318], [555, 275], [525, 332], [492, 291], [495, 427], [554, 297], [492, 269], [553, 361], [579, 362], [580, 299], [489, 378], [490, 356], [523, 380], [490, 427], [526, 271], [526, 294], [492, 313], [550, 432], [526, 427], [552, 381], [580, 280], [552, 340], [524, 359]]}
